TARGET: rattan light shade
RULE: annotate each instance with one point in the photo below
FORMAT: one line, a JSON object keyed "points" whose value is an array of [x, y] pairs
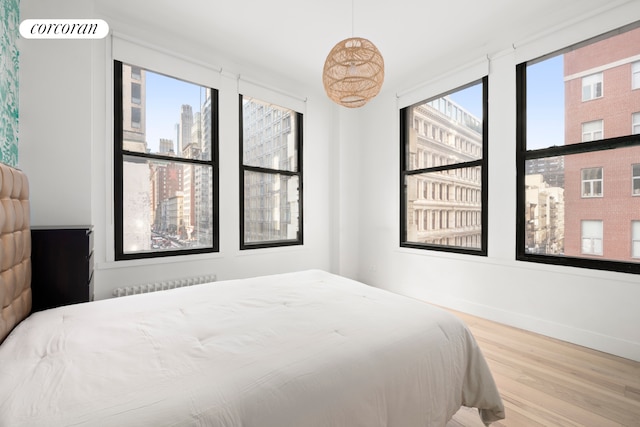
{"points": [[353, 72]]}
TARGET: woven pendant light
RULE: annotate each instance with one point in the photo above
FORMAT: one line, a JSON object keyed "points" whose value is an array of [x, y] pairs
{"points": [[353, 72]]}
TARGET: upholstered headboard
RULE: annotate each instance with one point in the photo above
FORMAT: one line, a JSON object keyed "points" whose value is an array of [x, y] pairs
{"points": [[15, 249]]}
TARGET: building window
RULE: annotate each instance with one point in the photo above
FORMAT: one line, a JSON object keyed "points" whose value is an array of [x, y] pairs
{"points": [[635, 179], [136, 93], [270, 175], [592, 87], [635, 239], [561, 138], [457, 172], [136, 73], [635, 75], [592, 182], [591, 237], [592, 131], [136, 117], [635, 124], [165, 182]]}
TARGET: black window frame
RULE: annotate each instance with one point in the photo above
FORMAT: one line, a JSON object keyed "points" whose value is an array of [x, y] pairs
{"points": [[523, 155], [119, 156], [483, 163], [247, 168]]}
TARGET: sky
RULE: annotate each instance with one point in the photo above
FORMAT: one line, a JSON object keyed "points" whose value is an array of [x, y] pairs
{"points": [[164, 99], [470, 99], [545, 104]]}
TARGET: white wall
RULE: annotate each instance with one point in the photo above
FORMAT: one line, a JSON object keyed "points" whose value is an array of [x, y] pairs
{"points": [[55, 144], [66, 145], [592, 308]]}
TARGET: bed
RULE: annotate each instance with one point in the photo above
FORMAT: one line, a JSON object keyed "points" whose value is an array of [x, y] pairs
{"points": [[299, 349]]}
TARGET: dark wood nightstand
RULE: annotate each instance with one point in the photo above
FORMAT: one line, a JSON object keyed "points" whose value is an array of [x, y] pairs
{"points": [[62, 266]]}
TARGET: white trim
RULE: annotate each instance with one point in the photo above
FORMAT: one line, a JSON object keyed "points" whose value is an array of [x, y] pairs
{"points": [[457, 77], [120, 38], [602, 68], [159, 60], [139, 262], [532, 267], [272, 95], [608, 344], [156, 58], [616, 14], [109, 193]]}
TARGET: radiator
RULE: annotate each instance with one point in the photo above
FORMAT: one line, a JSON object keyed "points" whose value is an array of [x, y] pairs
{"points": [[162, 286]]}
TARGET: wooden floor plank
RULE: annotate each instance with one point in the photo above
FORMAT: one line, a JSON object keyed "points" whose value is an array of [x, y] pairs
{"points": [[582, 391], [599, 366], [548, 382]]}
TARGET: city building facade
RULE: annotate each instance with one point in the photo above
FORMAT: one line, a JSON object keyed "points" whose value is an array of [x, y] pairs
{"points": [[271, 198], [444, 208], [602, 189]]}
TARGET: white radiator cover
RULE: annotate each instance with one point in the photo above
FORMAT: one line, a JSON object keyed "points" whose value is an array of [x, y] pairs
{"points": [[163, 285]]}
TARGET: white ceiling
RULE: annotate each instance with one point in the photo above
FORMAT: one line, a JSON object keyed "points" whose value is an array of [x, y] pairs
{"points": [[293, 37]]}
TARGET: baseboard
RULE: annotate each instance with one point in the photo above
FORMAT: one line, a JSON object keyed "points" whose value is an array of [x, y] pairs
{"points": [[608, 344]]}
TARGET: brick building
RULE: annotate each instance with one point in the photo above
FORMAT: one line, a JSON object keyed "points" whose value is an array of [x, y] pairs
{"points": [[602, 189]]}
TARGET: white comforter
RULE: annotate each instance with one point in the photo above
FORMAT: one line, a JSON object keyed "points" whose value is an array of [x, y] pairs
{"points": [[301, 349]]}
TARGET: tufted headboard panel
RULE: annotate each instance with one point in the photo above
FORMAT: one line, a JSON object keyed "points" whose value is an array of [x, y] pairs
{"points": [[15, 249]]}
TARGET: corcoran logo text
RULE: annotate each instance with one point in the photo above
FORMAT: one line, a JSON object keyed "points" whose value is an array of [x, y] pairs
{"points": [[64, 29]]}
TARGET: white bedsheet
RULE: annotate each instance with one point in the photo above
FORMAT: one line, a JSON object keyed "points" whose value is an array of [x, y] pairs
{"points": [[300, 349]]}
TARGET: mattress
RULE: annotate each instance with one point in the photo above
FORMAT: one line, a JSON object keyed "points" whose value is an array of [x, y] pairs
{"points": [[297, 349]]}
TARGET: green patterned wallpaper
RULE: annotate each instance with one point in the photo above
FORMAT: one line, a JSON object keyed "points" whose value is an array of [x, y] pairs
{"points": [[9, 30]]}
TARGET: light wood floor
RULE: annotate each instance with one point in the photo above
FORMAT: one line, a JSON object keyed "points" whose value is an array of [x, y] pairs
{"points": [[547, 382]]}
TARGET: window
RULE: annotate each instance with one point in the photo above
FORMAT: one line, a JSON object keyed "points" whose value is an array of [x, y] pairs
{"points": [[136, 73], [591, 237], [457, 172], [136, 118], [635, 75], [592, 131], [635, 179], [592, 182], [136, 93], [166, 177], [592, 87], [564, 216], [270, 175], [635, 124], [635, 239]]}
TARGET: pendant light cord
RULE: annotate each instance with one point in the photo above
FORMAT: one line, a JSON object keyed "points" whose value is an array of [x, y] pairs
{"points": [[352, 18]]}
